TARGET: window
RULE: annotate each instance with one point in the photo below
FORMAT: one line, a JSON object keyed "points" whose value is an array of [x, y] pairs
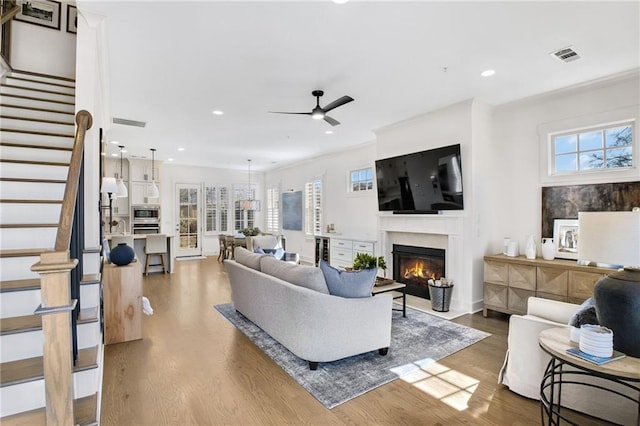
{"points": [[601, 148], [216, 209], [242, 218], [273, 210], [313, 207], [361, 180]]}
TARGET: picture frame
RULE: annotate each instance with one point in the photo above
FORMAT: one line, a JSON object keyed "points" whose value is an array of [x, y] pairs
{"points": [[292, 211], [45, 13], [72, 19], [565, 238]]}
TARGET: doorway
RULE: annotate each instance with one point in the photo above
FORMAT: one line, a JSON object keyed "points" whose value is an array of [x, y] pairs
{"points": [[189, 213]]}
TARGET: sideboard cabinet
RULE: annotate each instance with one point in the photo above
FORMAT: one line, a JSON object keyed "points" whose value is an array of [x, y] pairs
{"points": [[510, 281]]}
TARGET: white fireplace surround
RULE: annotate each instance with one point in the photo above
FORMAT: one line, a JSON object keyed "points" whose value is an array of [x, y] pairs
{"points": [[436, 231]]}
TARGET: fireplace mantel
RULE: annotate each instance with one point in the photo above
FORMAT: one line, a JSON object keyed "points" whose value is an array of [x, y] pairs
{"points": [[423, 224]]}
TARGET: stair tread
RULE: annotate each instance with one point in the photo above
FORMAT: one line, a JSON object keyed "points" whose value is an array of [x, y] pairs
{"points": [[34, 283], [38, 132], [52, 92], [28, 323], [31, 369], [55, 111], [23, 252], [31, 98], [85, 414], [37, 120], [26, 201], [39, 74], [36, 163], [28, 225], [49, 83], [31, 180], [35, 146]]}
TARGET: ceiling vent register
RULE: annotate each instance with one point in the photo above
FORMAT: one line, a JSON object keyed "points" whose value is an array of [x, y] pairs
{"points": [[127, 122], [566, 54]]}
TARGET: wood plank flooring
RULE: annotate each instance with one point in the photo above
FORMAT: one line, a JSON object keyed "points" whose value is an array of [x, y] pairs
{"points": [[194, 368]]}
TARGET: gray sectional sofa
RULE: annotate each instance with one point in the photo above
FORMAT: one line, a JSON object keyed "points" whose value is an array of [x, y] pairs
{"points": [[293, 305]]}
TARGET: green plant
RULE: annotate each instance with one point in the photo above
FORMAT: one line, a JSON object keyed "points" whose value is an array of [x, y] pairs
{"points": [[367, 261], [251, 232]]}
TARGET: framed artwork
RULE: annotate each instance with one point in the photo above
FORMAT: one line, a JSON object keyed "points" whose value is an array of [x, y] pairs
{"points": [[565, 238], [292, 211], [45, 13], [72, 19]]}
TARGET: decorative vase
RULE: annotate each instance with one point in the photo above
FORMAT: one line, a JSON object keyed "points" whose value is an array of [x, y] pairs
{"points": [[530, 248], [617, 300], [548, 249], [122, 254]]}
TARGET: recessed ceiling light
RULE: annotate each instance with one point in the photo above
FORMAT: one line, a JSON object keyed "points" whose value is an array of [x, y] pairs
{"points": [[180, 149], [170, 159], [114, 155], [487, 73], [217, 112], [115, 142], [124, 150], [329, 132], [340, 1]]}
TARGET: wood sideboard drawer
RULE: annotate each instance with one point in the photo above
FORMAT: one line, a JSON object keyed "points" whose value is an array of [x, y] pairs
{"points": [[517, 300], [552, 281], [496, 272], [495, 296], [558, 297], [581, 284], [522, 276]]}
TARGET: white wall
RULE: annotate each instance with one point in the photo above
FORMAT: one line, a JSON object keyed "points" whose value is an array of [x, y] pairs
{"points": [[514, 191], [354, 215], [171, 175], [45, 50]]}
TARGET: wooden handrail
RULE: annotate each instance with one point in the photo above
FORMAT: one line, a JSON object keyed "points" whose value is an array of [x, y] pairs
{"points": [[63, 237], [9, 10]]}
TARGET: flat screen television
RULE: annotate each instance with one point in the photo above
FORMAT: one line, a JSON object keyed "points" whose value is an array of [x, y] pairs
{"points": [[421, 182]]}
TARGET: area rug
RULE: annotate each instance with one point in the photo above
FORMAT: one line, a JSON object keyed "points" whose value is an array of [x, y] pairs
{"points": [[416, 341]]}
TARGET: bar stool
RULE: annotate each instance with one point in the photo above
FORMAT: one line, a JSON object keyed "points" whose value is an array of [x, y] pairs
{"points": [[156, 246], [223, 247]]}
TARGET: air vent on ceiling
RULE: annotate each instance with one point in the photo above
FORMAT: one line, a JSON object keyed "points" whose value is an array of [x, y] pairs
{"points": [[126, 122], [566, 54]]}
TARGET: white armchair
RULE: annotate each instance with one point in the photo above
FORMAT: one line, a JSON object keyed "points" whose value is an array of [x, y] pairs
{"points": [[525, 363]]}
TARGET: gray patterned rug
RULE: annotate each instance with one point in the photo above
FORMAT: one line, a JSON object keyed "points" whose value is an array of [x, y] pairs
{"points": [[416, 340]]}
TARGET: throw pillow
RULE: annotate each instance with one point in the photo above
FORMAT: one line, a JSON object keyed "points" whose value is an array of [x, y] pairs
{"points": [[278, 253], [301, 275], [259, 251], [586, 314], [348, 283]]}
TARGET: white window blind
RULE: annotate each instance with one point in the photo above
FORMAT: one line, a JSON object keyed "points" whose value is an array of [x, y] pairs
{"points": [[216, 209], [313, 207], [273, 210]]}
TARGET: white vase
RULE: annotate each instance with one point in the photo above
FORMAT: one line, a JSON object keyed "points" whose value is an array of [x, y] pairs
{"points": [[548, 249], [530, 248]]}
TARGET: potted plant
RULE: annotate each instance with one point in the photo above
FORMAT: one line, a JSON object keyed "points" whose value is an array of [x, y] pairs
{"points": [[368, 261], [251, 232]]}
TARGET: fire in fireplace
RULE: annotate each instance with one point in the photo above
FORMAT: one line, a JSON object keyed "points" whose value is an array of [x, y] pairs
{"points": [[415, 266]]}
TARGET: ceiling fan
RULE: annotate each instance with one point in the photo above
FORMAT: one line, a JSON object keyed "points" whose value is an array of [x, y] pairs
{"points": [[320, 113]]}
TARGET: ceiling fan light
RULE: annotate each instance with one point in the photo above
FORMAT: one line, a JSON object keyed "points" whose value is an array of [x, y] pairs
{"points": [[317, 115]]}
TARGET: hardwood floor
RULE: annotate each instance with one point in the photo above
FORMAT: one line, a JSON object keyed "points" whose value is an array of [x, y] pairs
{"points": [[194, 368]]}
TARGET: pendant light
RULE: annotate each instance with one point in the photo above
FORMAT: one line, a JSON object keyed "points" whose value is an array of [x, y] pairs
{"points": [[152, 191], [249, 203], [122, 188]]}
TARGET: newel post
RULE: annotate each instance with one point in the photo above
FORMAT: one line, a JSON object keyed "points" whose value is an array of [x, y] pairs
{"points": [[56, 306]]}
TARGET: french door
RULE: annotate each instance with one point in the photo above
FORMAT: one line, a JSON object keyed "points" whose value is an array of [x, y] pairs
{"points": [[189, 227]]}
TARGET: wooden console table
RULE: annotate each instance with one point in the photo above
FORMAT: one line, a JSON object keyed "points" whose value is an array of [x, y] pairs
{"points": [[510, 281], [122, 297]]}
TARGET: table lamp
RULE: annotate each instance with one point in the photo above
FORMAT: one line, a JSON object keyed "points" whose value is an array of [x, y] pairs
{"points": [[612, 239]]}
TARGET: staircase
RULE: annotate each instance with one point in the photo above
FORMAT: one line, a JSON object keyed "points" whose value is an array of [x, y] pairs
{"points": [[37, 129]]}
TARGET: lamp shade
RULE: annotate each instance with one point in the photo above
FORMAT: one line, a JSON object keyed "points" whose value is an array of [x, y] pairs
{"points": [[109, 185], [250, 205], [152, 190], [609, 237], [122, 189]]}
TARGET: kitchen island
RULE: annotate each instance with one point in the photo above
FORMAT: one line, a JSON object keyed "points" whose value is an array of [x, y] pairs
{"points": [[139, 242]]}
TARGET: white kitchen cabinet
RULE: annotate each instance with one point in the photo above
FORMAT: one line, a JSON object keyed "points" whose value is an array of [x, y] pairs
{"points": [[138, 192], [344, 250]]}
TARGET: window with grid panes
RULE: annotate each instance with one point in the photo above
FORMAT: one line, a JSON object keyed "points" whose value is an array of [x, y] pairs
{"points": [[313, 207], [216, 210], [273, 210], [361, 180]]}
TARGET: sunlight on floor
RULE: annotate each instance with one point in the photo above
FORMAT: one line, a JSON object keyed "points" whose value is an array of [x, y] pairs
{"points": [[449, 386]]}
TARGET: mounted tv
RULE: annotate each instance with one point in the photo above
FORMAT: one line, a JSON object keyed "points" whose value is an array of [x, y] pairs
{"points": [[421, 182]]}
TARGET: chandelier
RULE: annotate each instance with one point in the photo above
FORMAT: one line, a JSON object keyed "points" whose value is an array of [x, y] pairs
{"points": [[249, 203]]}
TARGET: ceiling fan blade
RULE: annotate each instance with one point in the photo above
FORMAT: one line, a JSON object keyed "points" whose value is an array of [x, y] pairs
{"points": [[295, 113], [338, 102], [331, 121]]}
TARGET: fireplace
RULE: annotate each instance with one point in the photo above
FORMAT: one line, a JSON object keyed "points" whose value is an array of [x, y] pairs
{"points": [[414, 266]]}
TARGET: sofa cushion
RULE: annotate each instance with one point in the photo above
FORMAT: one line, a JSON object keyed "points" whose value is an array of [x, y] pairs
{"points": [[248, 259], [348, 283], [586, 314], [301, 275]]}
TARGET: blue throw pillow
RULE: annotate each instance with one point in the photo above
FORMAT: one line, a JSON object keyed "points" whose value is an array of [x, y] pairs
{"points": [[259, 250], [348, 283], [278, 253]]}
